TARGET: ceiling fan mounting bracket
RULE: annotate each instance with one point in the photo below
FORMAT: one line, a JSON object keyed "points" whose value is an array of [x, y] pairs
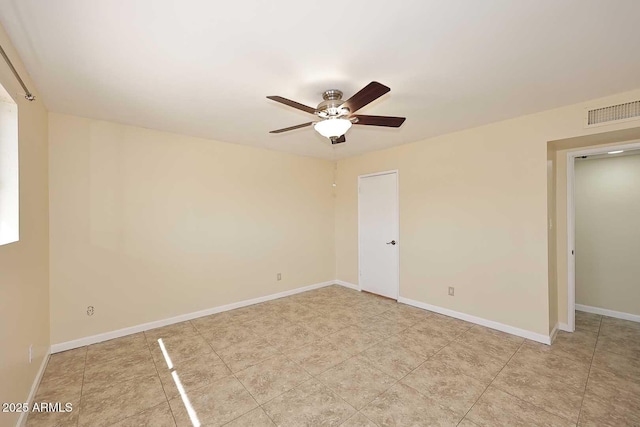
{"points": [[332, 95]]}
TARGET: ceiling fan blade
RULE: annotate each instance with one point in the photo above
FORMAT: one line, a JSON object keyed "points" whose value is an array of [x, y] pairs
{"points": [[338, 140], [293, 104], [367, 94], [388, 121], [292, 128]]}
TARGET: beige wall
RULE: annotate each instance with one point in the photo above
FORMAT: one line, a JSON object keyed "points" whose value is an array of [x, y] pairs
{"points": [[147, 225], [24, 265], [607, 206], [473, 214]]}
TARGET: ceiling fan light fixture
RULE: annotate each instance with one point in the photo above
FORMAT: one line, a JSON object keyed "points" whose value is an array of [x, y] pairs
{"points": [[332, 127]]}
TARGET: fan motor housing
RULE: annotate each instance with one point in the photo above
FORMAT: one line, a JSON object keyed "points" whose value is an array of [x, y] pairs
{"points": [[332, 104]]}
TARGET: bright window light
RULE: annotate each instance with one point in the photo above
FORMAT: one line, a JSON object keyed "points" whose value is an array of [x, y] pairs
{"points": [[9, 189], [185, 400], [167, 359]]}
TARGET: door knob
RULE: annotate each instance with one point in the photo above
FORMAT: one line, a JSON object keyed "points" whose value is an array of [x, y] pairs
{"points": [[393, 242]]}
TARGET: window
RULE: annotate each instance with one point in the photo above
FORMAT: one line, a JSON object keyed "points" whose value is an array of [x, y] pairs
{"points": [[9, 194]]}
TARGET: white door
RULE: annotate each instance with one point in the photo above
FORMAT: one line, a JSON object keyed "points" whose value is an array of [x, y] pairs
{"points": [[378, 233]]}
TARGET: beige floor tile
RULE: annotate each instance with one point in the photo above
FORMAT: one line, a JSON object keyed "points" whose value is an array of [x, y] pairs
{"points": [[403, 317], [120, 401], [67, 361], [296, 313], [318, 356], [496, 343], [310, 404], [446, 385], [218, 320], [118, 348], [393, 360], [158, 416], [347, 315], [366, 309], [441, 319], [192, 374], [267, 324], [621, 365], [165, 332], [290, 337], [409, 311], [618, 392], [536, 359], [356, 381], [226, 336], [611, 323], [246, 314], [99, 375], [578, 345], [471, 360], [619, 340], [352, 339], [255, 418], [178, 348], [441, 327], [58, 386], [271, 378], [382, 327], [599, 412], [358, 420], [403, 406], [323, 325], [359, 345], [55, 419], [418, 342], [497, 408], [247, 353], [587, 321], [551, 382], [214, 405]]}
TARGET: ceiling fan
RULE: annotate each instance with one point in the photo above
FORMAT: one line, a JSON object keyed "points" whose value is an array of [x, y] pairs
{"points": [[337, 116]]}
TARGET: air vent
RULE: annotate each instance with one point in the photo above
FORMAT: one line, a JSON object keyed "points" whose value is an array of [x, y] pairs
{"points": [[628, 110]]}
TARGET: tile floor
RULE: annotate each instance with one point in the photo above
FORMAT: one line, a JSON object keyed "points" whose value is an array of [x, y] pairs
{"points": [[334, 356]]}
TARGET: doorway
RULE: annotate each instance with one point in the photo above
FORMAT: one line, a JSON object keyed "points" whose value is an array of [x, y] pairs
{"points": [[378, 233], [571, 221]]}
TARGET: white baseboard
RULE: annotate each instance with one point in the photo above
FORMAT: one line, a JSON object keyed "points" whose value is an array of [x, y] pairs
{"points": [[541, 338], [347, 284], [22, 420], [564, 327], [554, 332], [81, 342], [609, 313]]}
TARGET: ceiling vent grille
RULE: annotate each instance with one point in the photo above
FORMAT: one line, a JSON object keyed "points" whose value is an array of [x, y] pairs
{"points": [[628, 110]]}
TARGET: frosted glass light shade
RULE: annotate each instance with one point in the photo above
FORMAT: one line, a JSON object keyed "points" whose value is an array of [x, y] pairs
{"points": [[332, 127]]}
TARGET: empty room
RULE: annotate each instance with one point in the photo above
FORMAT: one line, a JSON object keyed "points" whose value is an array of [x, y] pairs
{"points": [[421, 213]]}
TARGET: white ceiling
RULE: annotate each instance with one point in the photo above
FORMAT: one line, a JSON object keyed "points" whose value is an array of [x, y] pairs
{"points": [[203, 68]]}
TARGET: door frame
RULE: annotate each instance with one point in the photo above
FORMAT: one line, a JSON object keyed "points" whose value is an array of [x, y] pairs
{"points": [[397, 226], [571, 220]]}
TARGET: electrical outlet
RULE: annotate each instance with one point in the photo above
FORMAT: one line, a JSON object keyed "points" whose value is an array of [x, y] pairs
{"points": [[30, 353], [451, 290], [279, 276], [90, 310]]}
